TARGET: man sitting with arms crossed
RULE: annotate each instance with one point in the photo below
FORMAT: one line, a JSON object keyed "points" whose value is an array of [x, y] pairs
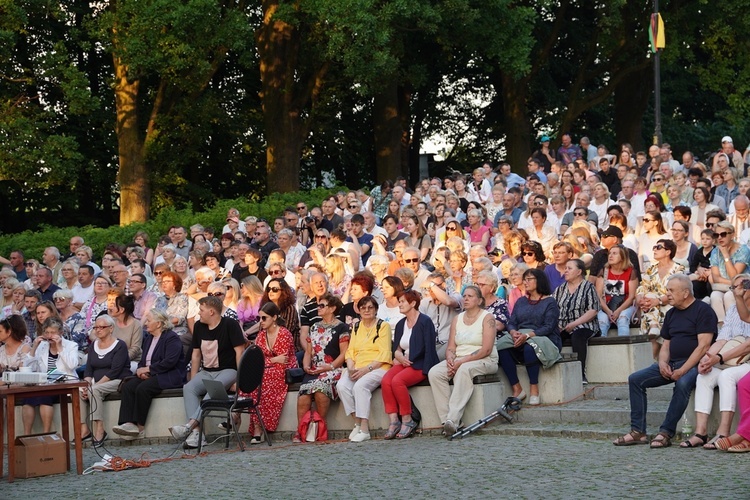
{"points": [[689, 328], [218, 343]]}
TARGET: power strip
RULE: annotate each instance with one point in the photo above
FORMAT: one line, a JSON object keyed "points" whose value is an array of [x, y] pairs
{"points": [[24, 378]]}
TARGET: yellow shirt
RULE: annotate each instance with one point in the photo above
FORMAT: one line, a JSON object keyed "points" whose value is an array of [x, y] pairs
{"points": [[367, 345]]}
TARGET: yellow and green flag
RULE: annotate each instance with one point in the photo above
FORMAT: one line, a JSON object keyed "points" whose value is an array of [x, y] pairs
{"points": [[656, 33]]}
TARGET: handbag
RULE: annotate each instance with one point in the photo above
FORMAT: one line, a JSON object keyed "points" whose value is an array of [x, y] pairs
{"points": [[731, 344], [293, 375]]}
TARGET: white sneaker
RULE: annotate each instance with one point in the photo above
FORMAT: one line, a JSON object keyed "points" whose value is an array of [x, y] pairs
{"points": [[192, 439], [126, 429], [360, 436], [141, 435], [534, 400], [449, 428], [179, 432], [354, 432]]}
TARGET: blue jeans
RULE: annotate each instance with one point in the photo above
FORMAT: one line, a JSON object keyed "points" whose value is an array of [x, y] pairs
{"points": [[651, 377], [623, 322]]}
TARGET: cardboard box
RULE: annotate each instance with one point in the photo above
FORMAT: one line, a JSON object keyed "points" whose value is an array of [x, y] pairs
{"points": [[40, 455]]}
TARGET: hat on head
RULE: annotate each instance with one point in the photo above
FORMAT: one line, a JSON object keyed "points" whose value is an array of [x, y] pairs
{"points": [[612, 231], [544, 138], [726, 138], [233, 219]]}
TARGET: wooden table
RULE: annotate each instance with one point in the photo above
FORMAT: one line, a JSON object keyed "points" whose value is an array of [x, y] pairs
{"points": [[8, 396]]}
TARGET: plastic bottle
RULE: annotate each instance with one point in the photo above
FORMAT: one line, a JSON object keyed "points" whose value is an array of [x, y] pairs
{"points": [[687, 428]]}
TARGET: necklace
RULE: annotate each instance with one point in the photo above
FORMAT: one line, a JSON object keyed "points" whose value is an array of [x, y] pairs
{"points": [[469, 319]]}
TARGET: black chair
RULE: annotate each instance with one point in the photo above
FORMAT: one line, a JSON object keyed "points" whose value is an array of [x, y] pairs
{"points": [[249, 378]]}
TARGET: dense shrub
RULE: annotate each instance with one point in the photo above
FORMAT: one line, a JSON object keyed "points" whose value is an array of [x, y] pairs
{"points": [[33, 243]]}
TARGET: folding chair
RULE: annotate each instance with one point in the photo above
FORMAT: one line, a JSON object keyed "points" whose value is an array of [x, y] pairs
{"points": [[249, 378]]}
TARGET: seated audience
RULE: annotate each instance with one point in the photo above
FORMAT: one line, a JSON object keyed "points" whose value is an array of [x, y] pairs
{"points": [[471, 352], [162, 366], [534, 316], [368, 358]]}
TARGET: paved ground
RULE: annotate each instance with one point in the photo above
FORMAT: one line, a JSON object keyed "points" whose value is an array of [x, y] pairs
{"points": [[478, 466]]}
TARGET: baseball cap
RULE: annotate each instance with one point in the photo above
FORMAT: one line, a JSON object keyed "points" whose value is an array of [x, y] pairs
{"points": [[612, 231], [726, 138], [233, 219], [544, 138]]}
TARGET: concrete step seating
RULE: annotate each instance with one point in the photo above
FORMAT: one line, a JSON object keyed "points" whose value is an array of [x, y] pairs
{"points": [[611, 359]]}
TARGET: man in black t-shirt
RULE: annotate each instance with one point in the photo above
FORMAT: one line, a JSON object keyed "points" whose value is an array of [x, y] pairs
{"points": [[689, 328], [217, 346]]}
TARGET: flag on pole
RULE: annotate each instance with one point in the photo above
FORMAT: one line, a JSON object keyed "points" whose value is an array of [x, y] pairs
{"points": [[656, 33]]}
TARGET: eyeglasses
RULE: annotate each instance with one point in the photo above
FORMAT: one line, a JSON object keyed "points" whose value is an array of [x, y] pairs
{"points": [[158, 273], [367, 308], [723, 234], [710, 224], [302, 207], [166, 281], [529, 254], [276, 272], [539, 203], [28, 264], [321, 306], [102, 327], [215, 294], [320, 237], [58, 299], [354, 206], [411, 261], [659, 247], [290, 220], [648, 220], [657, 179], [275, 289]]}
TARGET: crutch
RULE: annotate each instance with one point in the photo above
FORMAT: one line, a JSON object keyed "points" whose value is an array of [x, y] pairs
{"points": [[511, 405]]}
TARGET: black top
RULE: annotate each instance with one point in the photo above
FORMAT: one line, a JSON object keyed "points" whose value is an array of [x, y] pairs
{"points": [[217, 345], [114, 365], [682, 326]]}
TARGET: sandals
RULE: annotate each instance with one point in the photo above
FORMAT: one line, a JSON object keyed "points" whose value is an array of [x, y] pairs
{"points": [[296, 438], [664, 442], [711, 445], [393, 429], [410, 427], [689, 444], [743, 447], [723, 444], [635, 438]]}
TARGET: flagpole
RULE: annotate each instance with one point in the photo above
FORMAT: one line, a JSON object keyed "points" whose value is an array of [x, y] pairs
{"points": [[657, 86]]}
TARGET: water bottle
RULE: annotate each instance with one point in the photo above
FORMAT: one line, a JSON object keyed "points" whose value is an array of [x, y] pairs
{"points": [[687, 429]]}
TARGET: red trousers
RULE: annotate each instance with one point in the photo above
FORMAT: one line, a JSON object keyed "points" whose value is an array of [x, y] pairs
{"points": [[395, 388]]}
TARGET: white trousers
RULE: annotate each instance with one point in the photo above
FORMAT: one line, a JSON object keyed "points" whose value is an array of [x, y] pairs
{"points": [[451, 405], [727, 380], [355, 395]]}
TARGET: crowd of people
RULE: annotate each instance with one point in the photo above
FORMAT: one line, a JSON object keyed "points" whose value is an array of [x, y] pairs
{"points": [[441, 281]]}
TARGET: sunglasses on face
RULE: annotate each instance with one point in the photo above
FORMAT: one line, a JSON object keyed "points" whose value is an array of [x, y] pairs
{"points": [[158, 273], [649, 220], [322, 306], [354, 207], [274, 289], [301, 208], [215, 294], [320, 236], [28, 264], [579, 214], [539, 203], [264, 317], [411, 261], [723, 234], [276, 272], [529, 254], [658, 247], [657, 179]]}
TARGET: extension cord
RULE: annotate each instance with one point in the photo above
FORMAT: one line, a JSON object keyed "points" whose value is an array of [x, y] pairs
{"points": [[105, 463]]}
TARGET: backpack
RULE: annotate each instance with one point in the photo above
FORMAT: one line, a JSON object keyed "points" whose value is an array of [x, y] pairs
{"points": [[312, 427]]}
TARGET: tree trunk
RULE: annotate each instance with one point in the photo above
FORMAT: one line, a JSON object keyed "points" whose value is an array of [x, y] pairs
{"points": [[289, 89], [631, 102], [515, 122], [135, 185], [388, 133]]}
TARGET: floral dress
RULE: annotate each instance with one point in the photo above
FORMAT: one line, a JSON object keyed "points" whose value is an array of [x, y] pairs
{"points": [[325, 340], [177, 307], [653, 286], [274, 387], [76, 324], [499, 310]]}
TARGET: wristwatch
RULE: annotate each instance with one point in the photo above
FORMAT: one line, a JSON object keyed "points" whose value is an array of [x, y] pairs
{"points": [[369, 368]]}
